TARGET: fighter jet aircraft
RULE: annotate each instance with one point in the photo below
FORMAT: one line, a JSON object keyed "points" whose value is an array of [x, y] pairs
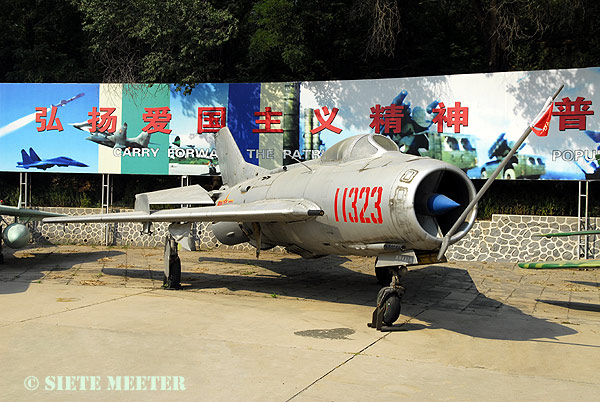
{"points": [[361, 197], [116, 140], [16, 235], [33, 161]]}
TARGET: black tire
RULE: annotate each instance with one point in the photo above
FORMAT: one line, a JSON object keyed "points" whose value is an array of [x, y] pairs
{"points": [[384, 275], [173, 281], [391, 307], [509, 174]]}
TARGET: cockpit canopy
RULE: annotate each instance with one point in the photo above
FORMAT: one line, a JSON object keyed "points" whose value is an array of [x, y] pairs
{"points": [[359, 147]]}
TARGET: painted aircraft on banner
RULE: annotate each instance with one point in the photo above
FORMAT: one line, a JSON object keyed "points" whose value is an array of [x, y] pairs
{"points": [[63, 102], [32, 160], [361, 197], [116, 140], [16, 235]]}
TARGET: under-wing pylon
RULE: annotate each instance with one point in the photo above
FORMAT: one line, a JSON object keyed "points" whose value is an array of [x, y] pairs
{"points": [[16, 235]]}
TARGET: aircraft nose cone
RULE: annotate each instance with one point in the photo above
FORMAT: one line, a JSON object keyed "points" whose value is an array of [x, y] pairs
{"points": [[438, 204]]}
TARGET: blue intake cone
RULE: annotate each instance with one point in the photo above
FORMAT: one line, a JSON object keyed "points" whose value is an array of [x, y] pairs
{"points": [[438, 204]]}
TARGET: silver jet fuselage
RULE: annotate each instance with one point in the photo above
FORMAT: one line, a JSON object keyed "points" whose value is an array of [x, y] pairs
{"points": [[372, 205]]}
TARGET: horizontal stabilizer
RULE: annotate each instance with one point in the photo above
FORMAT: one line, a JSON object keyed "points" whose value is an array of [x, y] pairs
{"points": [[258, 211], [193, 195]]}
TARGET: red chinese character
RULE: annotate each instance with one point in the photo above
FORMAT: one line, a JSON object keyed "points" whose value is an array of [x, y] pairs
{"points": [[377, 115], [54, 122], [389, 117], [267, 121], [157, 119], [439, 117], [457, 116], [326, 124], [211, 119], [393, 119], [108, 123], [572, 113]]}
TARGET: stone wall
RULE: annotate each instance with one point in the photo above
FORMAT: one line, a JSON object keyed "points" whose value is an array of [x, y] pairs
{"points": [[504, 238], [511, 238]]}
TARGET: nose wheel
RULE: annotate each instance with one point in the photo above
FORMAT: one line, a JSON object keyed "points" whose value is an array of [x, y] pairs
{"points": [[389, 300]]}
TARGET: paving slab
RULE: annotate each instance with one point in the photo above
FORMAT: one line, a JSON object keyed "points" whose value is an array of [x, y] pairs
{"points": [[282, 328]]}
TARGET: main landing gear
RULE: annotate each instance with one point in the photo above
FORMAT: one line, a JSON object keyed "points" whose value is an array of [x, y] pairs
{"points": [[172, 276], [389, 297], [1, 255]]}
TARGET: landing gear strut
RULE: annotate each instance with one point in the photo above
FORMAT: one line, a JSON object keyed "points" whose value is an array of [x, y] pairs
{"points": [[1, 255], [172, 276], [388, 301], [384, 275]]}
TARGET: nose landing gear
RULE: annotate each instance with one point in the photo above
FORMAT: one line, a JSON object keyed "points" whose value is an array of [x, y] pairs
{"points": [[388, 301]]}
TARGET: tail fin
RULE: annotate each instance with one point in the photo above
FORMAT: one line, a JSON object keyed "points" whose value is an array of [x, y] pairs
{"points": [[26, 159], [234, 169], [143, 139], [33, 155]]}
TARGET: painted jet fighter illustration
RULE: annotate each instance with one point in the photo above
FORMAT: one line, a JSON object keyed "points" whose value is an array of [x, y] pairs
{"points": [[32, 160], [63, 102], [16, 235], [116, 140], [30, 118], [361, 197]]}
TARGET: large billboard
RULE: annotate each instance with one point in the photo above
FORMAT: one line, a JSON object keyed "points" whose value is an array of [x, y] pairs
{"points": [[469, 120]]}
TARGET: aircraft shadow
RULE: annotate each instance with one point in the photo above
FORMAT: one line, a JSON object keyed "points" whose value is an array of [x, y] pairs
{"points": [[573, 305], [441, 296], [586, 283], [18, 272]]}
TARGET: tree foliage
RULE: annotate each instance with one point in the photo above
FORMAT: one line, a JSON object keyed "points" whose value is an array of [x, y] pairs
{"points": [[42, 41], [190, 41], [193, 41], [157, 40]]}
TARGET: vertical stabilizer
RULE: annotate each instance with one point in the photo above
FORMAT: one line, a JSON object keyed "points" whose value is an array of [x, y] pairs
{"points": [[34, 157], [142, 140], [26, 159], [234, 169]]}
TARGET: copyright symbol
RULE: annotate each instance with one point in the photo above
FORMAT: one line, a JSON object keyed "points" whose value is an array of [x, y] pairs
{"points": [[31, 383]]}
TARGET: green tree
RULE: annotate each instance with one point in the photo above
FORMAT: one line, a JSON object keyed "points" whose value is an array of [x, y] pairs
{"points": [[42, 41], [308, 40], [149, 41]]}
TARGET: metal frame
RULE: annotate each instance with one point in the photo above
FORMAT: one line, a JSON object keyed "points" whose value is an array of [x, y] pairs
{"points": [[107, 199], [583, 221], [24, 190]]}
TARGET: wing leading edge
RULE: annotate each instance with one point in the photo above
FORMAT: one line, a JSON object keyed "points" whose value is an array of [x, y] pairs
{"points": [[290, 210], [25, 213]]}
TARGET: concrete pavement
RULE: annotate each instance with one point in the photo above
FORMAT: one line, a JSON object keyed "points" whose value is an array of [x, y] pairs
{"points": [[281, 328]]}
